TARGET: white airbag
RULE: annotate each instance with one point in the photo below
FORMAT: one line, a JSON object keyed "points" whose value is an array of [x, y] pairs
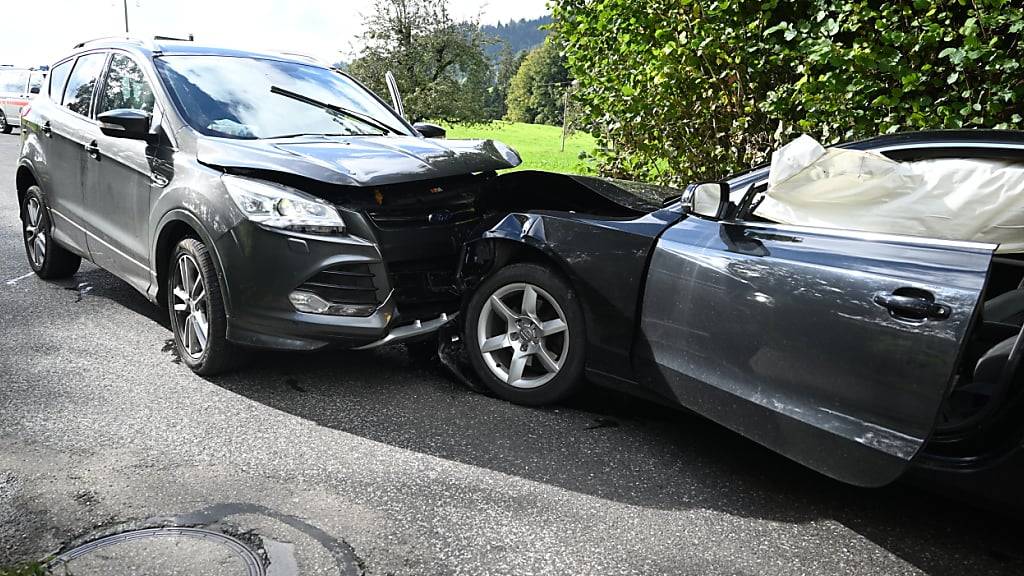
{"points": [[954, 199]]}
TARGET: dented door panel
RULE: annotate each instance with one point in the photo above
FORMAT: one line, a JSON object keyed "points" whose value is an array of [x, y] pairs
{"points": [[784, 335]]}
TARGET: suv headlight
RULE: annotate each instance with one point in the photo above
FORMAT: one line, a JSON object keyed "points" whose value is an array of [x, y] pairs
{"points": [[283, 207]]}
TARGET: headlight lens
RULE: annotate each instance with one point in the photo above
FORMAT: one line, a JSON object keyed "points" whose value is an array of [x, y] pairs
{"points": [[282, 207]]}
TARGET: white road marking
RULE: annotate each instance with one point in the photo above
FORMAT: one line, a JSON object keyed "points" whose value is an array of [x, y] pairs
{"points": [[14, 281]]}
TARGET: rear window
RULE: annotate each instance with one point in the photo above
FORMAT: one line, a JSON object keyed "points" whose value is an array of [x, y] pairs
{"points": [[58, 75], [82, 83]]}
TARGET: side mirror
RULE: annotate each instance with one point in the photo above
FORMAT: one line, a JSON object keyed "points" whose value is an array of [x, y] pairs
{"points": [[125, 123], [430, 130], [34, 90], [709, 199]]}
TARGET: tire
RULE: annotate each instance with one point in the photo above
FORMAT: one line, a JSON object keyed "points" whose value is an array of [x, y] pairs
{"points": [[4, 126], [201, 303], [500, 321], [48, 260]]}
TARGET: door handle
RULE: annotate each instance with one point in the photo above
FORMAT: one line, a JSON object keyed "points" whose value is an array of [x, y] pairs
{"points": [[93, 149], [913, 307], [47, 129]]}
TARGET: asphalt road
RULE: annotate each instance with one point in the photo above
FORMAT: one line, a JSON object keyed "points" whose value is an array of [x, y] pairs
{"points": [[368, 454]]}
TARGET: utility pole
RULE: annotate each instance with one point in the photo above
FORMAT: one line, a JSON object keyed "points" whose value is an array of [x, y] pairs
{"points": [[125, 2]]}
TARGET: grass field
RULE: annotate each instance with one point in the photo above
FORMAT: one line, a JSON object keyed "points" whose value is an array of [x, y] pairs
{"points": [[539, 145]]}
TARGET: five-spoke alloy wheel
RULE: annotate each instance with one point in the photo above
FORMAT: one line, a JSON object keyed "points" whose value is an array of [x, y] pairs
{"points": [[519, 346], [524, 333]]}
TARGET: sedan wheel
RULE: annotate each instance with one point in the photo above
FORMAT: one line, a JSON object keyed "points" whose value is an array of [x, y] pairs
{"points": [[191, 307], [524, 334]]}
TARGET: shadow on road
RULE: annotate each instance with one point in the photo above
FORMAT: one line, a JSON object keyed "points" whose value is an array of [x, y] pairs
{"points": [[605, 444]]}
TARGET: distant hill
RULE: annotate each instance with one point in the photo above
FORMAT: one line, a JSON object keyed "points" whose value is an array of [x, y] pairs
{"points": [[518, 35]]}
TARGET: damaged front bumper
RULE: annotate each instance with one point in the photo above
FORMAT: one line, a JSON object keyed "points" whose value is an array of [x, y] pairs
{"points": [[378, 284]]}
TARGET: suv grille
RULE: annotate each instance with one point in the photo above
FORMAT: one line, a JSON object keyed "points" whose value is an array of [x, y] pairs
{"points": [[425, 214], [344, 284]]}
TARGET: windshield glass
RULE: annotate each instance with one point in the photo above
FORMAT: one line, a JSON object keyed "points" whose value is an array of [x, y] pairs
{"points": [[230, 97]]}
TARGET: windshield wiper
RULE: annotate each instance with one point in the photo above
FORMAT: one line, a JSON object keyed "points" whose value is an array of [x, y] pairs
{"points": [[334, 108], [298, 134]]}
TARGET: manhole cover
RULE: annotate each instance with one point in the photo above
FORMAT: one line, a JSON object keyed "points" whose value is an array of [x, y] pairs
{"points": [[162, 552]]}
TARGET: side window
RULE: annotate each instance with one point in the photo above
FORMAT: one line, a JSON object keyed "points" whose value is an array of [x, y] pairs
{"points": [[125, 86], [13, 81], [82, 83], [58, 75], [35, 82]]}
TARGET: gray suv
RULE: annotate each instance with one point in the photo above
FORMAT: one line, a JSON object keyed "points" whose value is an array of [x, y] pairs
{"points": [[265, 200]]}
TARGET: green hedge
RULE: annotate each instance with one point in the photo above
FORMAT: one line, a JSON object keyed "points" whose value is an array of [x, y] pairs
{"points": [[679, 90]]}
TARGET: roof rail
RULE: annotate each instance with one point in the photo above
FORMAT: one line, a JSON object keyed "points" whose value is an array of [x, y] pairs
{"points": [[101, 38]]}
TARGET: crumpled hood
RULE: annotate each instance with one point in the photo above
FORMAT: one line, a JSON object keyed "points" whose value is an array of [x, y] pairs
{"points": [[360, 160]]}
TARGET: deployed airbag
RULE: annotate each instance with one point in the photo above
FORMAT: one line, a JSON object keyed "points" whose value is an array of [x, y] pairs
{"points": [[948, 198]]}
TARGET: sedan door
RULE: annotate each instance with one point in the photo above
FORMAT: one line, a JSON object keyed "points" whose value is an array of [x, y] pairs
{"points": [[833, 348]]}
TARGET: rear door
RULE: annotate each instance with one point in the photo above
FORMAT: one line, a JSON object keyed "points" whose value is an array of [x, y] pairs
{"points": [[69, 131], [835, 349]]}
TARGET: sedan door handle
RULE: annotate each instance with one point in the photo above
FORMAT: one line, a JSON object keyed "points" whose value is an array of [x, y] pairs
{"points": [[93, 149], [47, 129], [913, 307]]}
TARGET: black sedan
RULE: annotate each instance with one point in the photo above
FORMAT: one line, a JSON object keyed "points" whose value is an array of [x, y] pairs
{"points": [[861, 354]]}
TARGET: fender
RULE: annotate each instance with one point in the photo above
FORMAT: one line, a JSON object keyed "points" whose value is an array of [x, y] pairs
{"points": [[605, 260], [184, 216]]}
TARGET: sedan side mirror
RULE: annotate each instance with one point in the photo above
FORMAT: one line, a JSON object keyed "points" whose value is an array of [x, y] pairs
{"points": [[125, 123], [708, 199], [430, 130], [34, 90]]}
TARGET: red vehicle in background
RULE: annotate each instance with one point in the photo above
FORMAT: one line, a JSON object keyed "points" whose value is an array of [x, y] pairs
{"points": [[17, 85]]}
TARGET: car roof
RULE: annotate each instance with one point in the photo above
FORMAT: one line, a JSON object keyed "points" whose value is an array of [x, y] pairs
{"points": [[917, 142], [170, 46]]}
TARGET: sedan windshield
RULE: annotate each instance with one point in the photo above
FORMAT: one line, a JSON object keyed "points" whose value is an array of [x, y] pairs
{"points": [[231, 97]]}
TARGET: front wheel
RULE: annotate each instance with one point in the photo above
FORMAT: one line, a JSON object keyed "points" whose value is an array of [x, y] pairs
{"points": [[524, 333], [196, 310], [4, 126]]}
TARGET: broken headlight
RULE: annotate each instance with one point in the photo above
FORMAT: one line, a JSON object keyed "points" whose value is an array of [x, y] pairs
{"points": [[280, 206]]}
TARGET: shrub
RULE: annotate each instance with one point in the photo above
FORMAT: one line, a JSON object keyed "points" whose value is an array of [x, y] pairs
{"points": [[678, 90]]}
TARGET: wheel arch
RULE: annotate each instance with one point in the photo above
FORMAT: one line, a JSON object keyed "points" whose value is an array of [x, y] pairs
{"points": [[25, 178], [174, 226], [485, 256]]}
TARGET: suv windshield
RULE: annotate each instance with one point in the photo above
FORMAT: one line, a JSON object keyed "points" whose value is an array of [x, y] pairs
{"points": [[231, 97]]}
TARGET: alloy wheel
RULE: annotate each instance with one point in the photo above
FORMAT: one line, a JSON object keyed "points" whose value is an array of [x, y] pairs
{"points": [[523, 335], [191, 306], [35, 232]]}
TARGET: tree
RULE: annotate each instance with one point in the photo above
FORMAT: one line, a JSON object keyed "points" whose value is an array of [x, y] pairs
{"points": [[680, 90], [440, 64], [508, 63], [536, 94]]}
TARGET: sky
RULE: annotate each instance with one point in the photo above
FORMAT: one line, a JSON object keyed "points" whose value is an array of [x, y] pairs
{"points": [[327, 29]]}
